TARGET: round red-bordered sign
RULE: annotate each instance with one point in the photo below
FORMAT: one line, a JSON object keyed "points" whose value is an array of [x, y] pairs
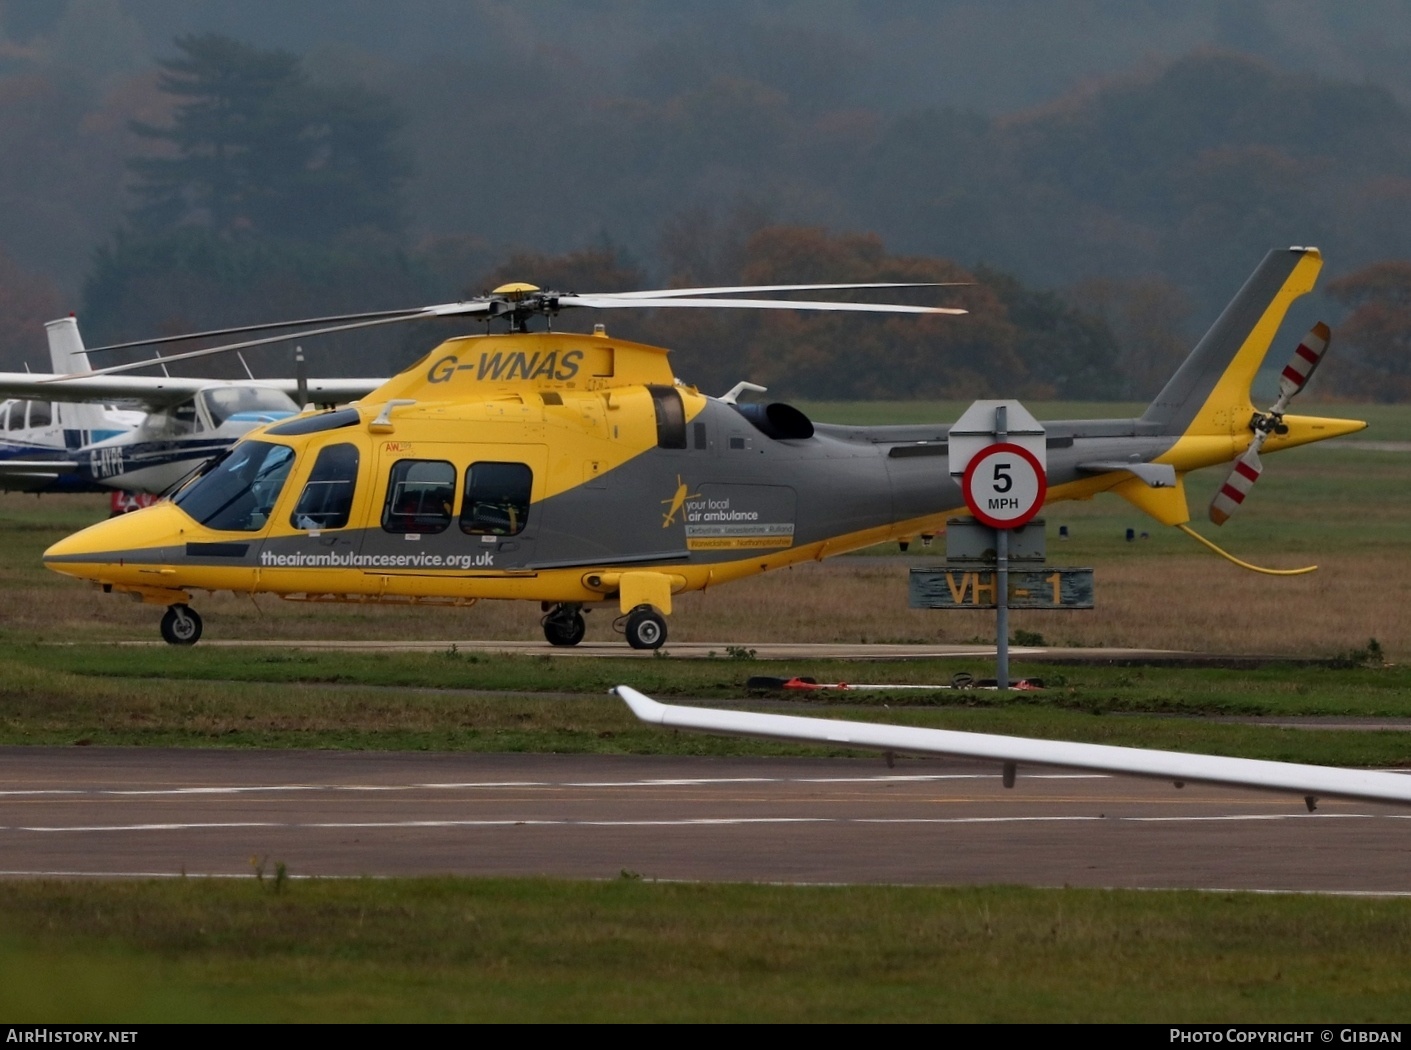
{"points": [[1004, 485]]}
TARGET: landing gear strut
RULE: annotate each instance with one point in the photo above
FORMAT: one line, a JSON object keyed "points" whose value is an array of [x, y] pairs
{"points": [[181, 625], [646, 628], [564, 625]]}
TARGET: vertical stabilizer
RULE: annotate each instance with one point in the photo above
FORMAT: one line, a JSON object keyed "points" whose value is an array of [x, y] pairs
{"points": [[81, 422], [66, 346], [1209, 394]]}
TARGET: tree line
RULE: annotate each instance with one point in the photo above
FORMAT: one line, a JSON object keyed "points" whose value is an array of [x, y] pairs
{"points": [[258, 191]]}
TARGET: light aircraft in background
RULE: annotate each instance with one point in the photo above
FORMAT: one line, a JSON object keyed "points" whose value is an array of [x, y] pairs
{"points": [[137, 434], [574, 470]]}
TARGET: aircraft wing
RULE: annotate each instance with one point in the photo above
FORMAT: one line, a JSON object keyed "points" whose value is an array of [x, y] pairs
{"points": [[158, 392], [153, 392], [1311, 782]]}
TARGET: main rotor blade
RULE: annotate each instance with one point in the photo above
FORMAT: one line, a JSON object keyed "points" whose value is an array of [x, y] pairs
{"points": [[426, 312], [604, 303], [676, 293], [495, 307], [334, 319], [475, 306]]}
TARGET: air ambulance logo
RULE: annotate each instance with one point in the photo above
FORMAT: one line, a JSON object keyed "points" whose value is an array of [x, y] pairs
{"points": [[677, 502]]}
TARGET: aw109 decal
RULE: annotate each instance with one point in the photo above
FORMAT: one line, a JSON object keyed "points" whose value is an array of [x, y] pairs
{"points": [[740, 517]]}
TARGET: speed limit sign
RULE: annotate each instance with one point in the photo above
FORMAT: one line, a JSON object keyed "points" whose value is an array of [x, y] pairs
{"points": [[1004, 485]]}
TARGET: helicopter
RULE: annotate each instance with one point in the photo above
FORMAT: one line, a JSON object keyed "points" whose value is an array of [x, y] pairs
{"points": [[576, 471]]}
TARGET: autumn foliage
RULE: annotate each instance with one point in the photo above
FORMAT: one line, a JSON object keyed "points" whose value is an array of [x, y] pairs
{"points": [[1374, 341], [990, 350]]}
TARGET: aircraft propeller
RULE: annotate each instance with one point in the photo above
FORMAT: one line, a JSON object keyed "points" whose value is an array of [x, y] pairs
{"points": [[1231, 495]]}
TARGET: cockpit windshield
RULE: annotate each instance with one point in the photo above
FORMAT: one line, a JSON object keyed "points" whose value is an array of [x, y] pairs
{"points": [[238, 494], [223, 402]]}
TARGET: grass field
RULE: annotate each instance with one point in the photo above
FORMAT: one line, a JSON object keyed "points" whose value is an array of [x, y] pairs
{"points": [[628, 950], [513, 950], [454, 702]]}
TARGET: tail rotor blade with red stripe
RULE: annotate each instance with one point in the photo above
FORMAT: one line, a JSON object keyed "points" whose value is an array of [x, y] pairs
{"points": [[1236, 487], [1303, 363]]}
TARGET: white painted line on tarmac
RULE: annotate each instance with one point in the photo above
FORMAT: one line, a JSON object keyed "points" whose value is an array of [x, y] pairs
{"points": [[1266, 816], [683, 822], [482, 785], [65, 873]]}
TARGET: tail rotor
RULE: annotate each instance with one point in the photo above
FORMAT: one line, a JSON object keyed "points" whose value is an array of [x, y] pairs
{"points": [[1305, 360]]}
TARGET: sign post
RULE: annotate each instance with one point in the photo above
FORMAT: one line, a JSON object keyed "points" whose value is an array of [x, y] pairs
{"points": [[998, 454], [1004, 486]]}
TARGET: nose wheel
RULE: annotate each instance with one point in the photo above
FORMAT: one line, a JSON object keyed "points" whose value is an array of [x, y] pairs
{"points": [[646, 628], [181, 625], [564, 625]]}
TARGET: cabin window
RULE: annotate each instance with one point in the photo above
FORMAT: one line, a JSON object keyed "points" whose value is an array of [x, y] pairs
{"points": [[182, 419], [671, 416], [246, 404], [420, 496], [8, 412], [40, 414], [700, 432], [238, 494], [496, 499], [327, 499], [16, 421]]}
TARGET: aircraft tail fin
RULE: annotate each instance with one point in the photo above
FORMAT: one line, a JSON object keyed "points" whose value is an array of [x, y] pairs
{"points": [[67, 355], [1209, 394], [66, 350]]}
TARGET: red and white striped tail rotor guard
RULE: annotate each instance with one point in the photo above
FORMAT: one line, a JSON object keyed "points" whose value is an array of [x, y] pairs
{"points": [[1236, 487]]}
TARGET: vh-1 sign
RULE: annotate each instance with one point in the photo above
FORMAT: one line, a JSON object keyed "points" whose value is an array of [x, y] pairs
{"points": [[977, 589]]}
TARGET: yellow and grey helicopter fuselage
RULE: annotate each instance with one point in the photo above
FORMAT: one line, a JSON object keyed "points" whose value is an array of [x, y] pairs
{"points": [[574, 469]]}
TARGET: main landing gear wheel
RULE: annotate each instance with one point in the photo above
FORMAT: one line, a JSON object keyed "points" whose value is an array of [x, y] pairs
{"points": [[181, 625], [646, 628], [565, 626]]}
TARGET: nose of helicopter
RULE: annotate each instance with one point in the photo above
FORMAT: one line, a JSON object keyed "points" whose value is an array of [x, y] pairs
{"points": [[144, 538]]}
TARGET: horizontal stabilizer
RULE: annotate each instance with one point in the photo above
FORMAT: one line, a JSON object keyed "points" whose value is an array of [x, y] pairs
{"points": [[1157, 475], [36, 468]]}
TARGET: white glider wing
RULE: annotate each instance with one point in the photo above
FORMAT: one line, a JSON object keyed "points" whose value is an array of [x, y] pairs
{"points": [[1311, 782]]}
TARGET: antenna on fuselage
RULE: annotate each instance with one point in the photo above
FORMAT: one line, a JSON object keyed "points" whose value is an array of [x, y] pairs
{"points": [[301, 376], [739, 388]]}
